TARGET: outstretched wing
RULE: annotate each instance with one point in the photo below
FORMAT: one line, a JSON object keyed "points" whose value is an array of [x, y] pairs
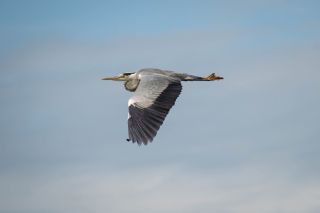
{"points": [[149, 106]]}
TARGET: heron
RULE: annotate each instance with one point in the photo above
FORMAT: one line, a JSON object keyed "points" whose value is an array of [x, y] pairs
{"points": [[155, 93]]}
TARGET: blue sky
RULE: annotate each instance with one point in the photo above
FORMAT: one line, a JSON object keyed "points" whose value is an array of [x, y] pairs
{"points": [[248, 143]]}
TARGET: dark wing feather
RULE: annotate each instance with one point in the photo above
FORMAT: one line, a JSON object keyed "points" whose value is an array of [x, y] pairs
{"points": [[150, 105]]}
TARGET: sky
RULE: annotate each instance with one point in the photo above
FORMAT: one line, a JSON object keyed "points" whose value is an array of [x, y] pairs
{"points": [[248, 143]]}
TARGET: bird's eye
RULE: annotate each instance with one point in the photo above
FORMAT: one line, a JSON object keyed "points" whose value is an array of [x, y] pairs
{"points": [[127, 73]]}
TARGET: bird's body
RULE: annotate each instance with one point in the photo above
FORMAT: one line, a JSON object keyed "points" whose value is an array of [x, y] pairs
{"points": [[155, 92]]}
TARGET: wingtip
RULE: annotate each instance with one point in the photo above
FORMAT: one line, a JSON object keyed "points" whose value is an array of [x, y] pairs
{"points": [[139, 142]]}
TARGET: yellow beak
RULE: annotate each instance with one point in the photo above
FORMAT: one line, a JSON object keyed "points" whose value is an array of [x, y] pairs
{"points": [[115, 78], [109, 78]]}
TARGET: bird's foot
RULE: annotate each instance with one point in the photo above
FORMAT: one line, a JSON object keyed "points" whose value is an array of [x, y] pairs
{"points": [[212, 77]]}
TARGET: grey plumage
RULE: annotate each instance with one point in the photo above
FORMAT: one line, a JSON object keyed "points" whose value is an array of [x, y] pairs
{"points": [[155, 92]]}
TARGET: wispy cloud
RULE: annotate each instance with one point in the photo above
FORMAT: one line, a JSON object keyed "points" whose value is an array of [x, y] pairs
{"points": [[170, 189]]}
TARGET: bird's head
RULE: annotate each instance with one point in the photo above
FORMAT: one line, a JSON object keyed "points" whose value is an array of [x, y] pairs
{"points": [[122, 77]]}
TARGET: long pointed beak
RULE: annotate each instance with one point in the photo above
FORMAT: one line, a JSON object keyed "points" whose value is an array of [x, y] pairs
{"points": [[115, 78]]}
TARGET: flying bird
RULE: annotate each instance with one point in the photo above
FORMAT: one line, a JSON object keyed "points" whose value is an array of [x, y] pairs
{"points": [[155, 92]]}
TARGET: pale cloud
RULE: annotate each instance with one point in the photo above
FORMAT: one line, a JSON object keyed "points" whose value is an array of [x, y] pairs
{"points": [[159, 189]]}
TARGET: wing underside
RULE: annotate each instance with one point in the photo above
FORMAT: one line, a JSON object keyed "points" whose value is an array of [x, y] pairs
{"points": [[149, 106]]}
